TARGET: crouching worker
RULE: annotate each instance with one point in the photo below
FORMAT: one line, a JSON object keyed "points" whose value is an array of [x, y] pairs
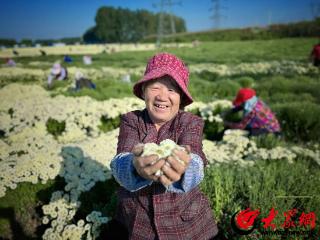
{"points": [[82, 82], [257, 116], [57, 73], [315, 55], [169, 205]]}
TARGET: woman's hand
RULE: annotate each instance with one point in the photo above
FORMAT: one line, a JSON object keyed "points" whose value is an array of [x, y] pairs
{"points": [[175, 167], [146, 166]]}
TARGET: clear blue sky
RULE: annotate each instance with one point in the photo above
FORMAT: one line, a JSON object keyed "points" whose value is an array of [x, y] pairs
{"points": [[40, 19]]}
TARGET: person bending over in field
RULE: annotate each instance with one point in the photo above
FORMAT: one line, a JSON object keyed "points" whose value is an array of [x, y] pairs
{"points": [[160, 198], [257, 116], [315, 55], [57, 73], [82, 82]]}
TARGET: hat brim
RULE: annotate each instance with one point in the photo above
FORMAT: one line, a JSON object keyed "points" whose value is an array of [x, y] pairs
{"points": [[158, 73]]}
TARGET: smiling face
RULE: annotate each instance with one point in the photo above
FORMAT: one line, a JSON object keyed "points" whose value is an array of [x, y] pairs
{"points": [[162, 97]]}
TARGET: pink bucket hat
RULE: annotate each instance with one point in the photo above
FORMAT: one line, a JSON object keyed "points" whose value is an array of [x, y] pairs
{"points": [[166, 64]]}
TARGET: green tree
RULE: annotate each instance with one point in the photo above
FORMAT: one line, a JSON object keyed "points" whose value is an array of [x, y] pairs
{"points": [[147, 23], [26, 42], [107, 24], [124, 25], [90, 36], [7, 42]]}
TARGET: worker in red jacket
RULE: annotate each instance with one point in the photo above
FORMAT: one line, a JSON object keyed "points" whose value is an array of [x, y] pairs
{"points": [[315, 55]]}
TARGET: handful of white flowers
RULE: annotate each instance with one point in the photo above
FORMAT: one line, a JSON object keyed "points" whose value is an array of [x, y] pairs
{"points": [[163, 150]]}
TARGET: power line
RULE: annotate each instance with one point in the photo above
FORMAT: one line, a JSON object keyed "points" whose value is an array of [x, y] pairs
{"points": [[269, 18], [162, 6], [315, 9], [217, 7]]}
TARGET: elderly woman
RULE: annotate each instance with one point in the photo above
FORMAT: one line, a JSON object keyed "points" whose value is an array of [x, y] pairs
{"points": [[167, 206], [257, 116]]}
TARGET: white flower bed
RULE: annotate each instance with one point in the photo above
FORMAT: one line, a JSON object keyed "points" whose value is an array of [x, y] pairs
{"points": [[273, 67], [29, 154], [207, 111], [86, 49], [7, 74]]}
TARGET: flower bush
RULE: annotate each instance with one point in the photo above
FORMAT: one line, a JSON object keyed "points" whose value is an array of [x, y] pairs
{"points": [[81, 154], [267, 68]]}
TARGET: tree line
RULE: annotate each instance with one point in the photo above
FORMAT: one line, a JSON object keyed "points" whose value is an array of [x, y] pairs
{"points": [[115, 25], [123, 25], [44, 42]]}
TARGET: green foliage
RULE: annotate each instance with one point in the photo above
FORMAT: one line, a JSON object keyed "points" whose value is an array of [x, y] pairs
{"points": [[204, 90], [105, 89], [55, 127], [226, 88], [207, 75], [26, 42], [234, 116], [213, 130], [294, 49], [289, 97], [299, 29], [58, 85], [246, 82], [295, 88], [201, 90], [102, 198], [135, 78], [124, 25], [268, 141], [27, 79], [299, 120], [108, 124], [7, 42], [20, 215], [267, 184]]}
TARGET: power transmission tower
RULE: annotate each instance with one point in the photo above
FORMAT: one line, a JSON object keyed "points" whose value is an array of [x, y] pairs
{"points": [[315, 9], [162, 5], [173, 25], [269, 18], [217, 16]]}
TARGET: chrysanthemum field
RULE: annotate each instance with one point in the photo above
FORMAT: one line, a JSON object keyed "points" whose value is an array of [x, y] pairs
{"points": [[56, 145]]}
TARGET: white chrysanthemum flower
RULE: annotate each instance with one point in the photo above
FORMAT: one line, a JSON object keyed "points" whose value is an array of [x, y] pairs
{"points": [[29, 154], [163, 150]]}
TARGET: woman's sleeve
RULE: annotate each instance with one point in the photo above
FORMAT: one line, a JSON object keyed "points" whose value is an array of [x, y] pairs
{"points": [[125, 174], [191, 178], [121, 165]]}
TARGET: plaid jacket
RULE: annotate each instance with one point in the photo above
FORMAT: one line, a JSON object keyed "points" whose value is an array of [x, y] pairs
{"points": [[261, 117], [152, 212]]}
